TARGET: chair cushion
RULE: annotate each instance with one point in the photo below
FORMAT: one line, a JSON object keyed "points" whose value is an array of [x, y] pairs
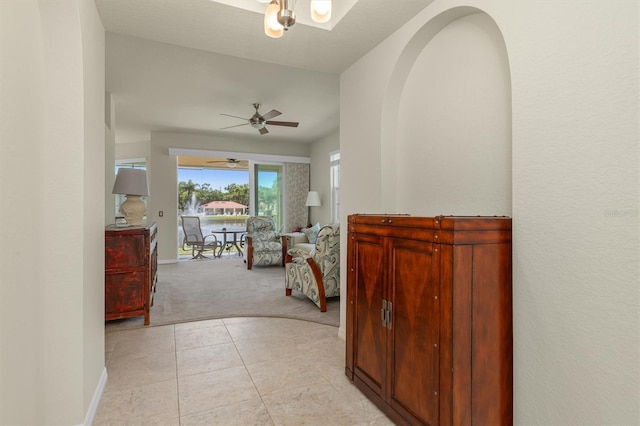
{"points": [[312, 233], [306, 247], [259, 246]]}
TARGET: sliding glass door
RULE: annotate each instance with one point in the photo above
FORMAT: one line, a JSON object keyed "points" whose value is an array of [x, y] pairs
{"points": [[269, 193]]}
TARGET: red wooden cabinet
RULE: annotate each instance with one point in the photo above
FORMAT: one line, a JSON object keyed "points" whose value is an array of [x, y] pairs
{"points": [[429, 332], [131, 264]]}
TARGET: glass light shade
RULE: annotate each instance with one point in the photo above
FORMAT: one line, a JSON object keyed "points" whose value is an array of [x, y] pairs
{"points": [[321, 11], [272, 27], [313, 199]]}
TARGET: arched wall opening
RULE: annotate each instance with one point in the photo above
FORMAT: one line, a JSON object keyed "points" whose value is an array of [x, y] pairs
{"points": [[446, 120]]}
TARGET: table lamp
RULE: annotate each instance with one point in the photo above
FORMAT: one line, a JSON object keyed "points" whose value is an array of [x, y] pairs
{"points": [[133, 184]]}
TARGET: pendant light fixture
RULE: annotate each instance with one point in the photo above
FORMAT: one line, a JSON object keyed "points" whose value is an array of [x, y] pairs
{"points": [[286, 16], [272, 27], [279, 17]]}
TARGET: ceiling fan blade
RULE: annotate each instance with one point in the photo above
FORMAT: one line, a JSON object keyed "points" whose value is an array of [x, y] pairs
{"points": [[263, 130], [283, 123], [234, 116], [237, 125], [271, 114]]}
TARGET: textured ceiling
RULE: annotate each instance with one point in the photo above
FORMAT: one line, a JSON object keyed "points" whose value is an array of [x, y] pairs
{"points": [[157, 84]]}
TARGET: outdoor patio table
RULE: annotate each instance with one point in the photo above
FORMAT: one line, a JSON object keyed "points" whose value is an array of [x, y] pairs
{"points": [[230, 238]]}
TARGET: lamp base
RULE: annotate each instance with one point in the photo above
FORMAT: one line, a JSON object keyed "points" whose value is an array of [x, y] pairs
{"points": [[133, 210]]}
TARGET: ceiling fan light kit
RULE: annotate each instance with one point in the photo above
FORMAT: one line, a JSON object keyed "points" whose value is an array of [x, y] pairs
{"points": [[278, 17], [231, 163]]}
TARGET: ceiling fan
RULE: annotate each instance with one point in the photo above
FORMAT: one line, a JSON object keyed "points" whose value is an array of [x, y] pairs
{"points": [[232, 163], [259, 121]]}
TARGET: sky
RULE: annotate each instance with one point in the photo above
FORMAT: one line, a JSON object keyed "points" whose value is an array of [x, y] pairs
{"points": [[218, 179]]}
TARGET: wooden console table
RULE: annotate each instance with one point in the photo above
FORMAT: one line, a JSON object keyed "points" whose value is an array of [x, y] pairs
{"points": [[131, 265]]}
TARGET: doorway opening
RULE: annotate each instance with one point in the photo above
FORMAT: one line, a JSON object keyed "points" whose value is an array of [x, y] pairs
{"points": [[216, 190]]}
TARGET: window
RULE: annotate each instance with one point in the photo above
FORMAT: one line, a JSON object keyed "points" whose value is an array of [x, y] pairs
{"points": [[334, 162], [268, 183]]}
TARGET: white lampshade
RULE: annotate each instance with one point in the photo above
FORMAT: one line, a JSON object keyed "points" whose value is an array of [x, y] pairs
{"points": [[272, 27], [313, 199], [132, 183], [321, 11]]}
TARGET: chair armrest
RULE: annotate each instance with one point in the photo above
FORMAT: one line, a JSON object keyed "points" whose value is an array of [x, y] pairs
{"points": [[214, 242], [296, 252], [320, 283]]}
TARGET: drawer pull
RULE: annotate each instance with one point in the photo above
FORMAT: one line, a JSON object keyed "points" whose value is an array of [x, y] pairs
{"points": [[383, 313], [389, 312]]}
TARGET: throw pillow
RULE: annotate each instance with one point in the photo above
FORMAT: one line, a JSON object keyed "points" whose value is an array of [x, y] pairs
{"points": [[312, 233]]}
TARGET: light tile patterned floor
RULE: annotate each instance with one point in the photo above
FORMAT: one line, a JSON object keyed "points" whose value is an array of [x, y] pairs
{"points": [[236, 371]]}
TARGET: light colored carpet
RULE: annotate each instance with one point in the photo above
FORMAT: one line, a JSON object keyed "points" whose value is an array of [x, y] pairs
{"points": [[222, 288]]}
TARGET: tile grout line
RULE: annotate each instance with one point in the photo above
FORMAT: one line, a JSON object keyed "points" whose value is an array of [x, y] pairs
{"points": [[249, 373], [175, 352]]}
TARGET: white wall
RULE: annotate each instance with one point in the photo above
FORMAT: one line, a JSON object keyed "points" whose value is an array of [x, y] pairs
{"points": [[94, 143], [573, 67], [320, 175], [21, 97], [454, 124], [51, 297], [110, 158]]}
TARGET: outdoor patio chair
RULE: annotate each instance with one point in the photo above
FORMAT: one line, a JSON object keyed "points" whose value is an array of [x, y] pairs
{"points": [[193, 238], [262, 244]]}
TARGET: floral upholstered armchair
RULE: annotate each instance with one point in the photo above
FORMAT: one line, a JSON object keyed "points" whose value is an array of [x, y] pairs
{"points": [[263, 245], [316, 275]]}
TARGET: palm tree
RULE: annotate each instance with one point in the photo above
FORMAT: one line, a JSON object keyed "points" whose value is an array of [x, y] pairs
{"points": [[185, 190]]}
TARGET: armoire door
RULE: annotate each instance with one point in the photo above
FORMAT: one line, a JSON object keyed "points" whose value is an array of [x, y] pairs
{"points": [[413, 361], [369, 357]]}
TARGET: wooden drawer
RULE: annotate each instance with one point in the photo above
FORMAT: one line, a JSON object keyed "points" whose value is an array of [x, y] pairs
{"points": [[124, 293], [124, 251]]}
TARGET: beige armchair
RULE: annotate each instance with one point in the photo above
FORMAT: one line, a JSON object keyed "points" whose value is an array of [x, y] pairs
{"points": [[263, 245], [316, 275]]}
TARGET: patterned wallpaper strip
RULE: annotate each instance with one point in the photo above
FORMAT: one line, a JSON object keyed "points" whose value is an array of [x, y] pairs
{"points": [[296, 189]]}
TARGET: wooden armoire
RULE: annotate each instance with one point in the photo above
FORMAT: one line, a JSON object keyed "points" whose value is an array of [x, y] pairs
{"points": [[429, 324]]}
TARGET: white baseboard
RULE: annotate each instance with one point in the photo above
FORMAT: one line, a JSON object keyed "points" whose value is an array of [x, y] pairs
{"points": [[95, 401], [342, 332], [167, 261]]}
